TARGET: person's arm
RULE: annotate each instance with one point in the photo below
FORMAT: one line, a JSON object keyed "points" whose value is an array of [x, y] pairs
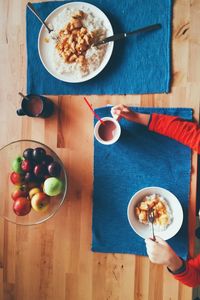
{"points": [[191, 275], [123, 111], [185, 132], [160, 252]]}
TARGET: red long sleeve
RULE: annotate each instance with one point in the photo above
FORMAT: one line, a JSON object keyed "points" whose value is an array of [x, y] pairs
{"points": [[185, 132], [191, 276]]}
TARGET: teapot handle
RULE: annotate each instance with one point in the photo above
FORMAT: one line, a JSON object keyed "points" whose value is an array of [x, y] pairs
{"points": [[20, 112]]}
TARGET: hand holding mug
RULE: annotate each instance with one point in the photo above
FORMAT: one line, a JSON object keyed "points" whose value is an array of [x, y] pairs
{"points": [[123, 111]]}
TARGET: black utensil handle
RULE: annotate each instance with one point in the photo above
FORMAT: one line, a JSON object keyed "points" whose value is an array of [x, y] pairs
{"points": [[144, 29], [115, 37], [120, 36]]}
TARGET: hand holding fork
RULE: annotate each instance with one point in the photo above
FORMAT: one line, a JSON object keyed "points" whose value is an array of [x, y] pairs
{"points": [[151, 220]]}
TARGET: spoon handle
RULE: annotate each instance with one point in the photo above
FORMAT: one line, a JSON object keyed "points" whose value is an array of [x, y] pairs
{"points": [[31, 7], [153, 235], [23, 96], [144, 29]]}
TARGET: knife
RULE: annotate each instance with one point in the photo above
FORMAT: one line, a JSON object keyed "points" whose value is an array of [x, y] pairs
{"points": [[123, 35]]}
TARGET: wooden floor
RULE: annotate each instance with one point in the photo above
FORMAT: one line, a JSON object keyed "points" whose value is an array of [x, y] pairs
{"points": [[53, 260]]}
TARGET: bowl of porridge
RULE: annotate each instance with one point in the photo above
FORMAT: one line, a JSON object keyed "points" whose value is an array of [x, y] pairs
{"points": [[168, 212], [68, 53]]}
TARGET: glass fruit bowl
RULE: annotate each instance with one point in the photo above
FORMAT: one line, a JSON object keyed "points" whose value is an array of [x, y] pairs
{"points": [[33, 182]]}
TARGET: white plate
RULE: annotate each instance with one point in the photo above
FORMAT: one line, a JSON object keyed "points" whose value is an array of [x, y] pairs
{"points": [[46, 49], [145, 230]]}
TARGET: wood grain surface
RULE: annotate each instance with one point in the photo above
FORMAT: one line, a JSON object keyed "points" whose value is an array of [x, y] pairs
{"points": [[53, 260]]}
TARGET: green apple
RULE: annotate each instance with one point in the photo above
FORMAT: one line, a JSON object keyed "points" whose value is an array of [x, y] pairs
{"points": [[16, 164], [40, 201], [53, 186]]}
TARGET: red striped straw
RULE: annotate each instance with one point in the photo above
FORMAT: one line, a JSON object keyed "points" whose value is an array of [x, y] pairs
{"points": [[96, 116]]}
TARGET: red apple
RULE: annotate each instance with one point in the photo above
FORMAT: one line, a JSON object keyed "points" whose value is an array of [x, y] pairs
{"points": [[21, 206], [16, 178], [19, 193], [40, 201], [26, 165]]}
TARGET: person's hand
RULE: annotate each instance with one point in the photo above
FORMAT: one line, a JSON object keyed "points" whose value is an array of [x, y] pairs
{"points": [[123, 112], [160, 252]]}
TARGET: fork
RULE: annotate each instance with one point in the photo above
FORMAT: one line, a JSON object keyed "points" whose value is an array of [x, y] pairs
{"points": [[123, 35], [151, 220]]}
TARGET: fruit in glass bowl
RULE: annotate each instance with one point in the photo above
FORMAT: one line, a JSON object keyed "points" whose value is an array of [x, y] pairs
{"points": [[26, 165]]}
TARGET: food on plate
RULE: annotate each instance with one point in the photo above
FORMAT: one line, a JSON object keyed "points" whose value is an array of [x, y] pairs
{"points": [[159, 206], [76, 32], [74, 40]]}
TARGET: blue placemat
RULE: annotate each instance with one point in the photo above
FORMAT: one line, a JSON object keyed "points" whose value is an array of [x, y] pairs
{"points": [[139, 159], [138, 65]]}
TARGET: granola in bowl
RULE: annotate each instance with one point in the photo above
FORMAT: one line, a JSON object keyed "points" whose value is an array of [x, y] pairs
{"points": [[161, 210], [67, 53], [77, 31]]}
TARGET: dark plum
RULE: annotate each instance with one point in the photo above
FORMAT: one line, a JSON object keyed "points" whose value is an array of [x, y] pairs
{"points": [[47, 160], [29, 177], [28, 154], [54, 169], [39, 171], [39, 154]]}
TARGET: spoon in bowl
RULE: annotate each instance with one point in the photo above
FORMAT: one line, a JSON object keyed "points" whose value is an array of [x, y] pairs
{"points": [[151, 220], [50, 30]]}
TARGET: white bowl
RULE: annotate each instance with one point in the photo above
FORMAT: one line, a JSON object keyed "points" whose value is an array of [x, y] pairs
{"points": [[145, 230], [46, 49]]}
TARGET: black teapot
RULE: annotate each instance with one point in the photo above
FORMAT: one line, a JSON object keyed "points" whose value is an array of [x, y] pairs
{"points": [[35, 106]]}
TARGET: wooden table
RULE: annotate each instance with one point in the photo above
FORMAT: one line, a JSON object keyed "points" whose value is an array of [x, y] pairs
{"points": [[53, 260]]}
